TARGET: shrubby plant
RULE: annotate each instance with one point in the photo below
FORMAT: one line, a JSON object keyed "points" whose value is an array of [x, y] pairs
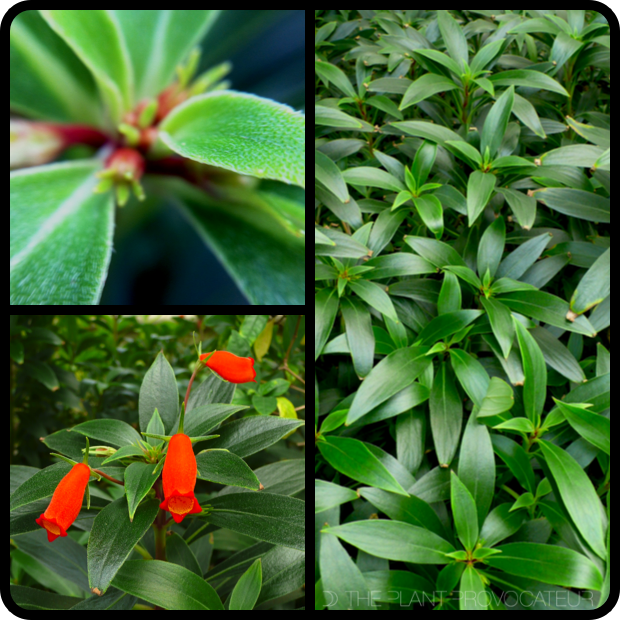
{"points": [[123, 86], [462, 282]]}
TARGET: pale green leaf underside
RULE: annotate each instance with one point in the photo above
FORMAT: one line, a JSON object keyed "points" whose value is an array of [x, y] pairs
{"points": [[240, 132], [61, 235]]}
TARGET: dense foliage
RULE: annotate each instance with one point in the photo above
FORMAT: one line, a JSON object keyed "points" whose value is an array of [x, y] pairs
{"points": [[462, 282]]}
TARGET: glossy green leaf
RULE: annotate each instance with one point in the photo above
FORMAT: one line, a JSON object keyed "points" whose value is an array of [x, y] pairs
{"points": [[477, 466], [391, 375], [499, 398], [326, 171], [485, 55], [557, 355], [471, 375], [60, 250], [426, 130], [431, 212], [325, 310], [395, 541], [594, 286], [576, 203], [359, 332], [464, 510], [521, 259], [547, 308], [374, 296], [579, 496], [501, 323], [372, 177], [423, 162], [530, 79], [496, 123], [523, 206], [327, 495], [466, 152], [517, 459], [581, 155], [442, 59], [436, 252], [592, 426], [239, 132], [597, 135], [446, 410], [453, 37], [410, 509], [446, 325], [535, 370], [353, 459], [474, 596], [549, 564], [425, 87], [334, 75], [479, 190], [450, 295], [346, 582]]}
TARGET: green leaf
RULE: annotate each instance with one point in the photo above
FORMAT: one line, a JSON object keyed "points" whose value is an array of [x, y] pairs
{"points": [[517, 459], [576, 203], [528, 115], [524, 207], [557, 355], [326, 171], [579, 497], [530, 79], [501, 323], [594, 286], [250, 237], [479, 191], [477, 466], [450, 295], [359, 332], [428, 131], [581, 155], [374, 296], [325, 310], [425, 87], [521, 259], [346, 582], [396, 541], [496, 123], [446, 409], [372, 177], [491, 247], [423, 162], [471, 375], [549, 564], [60, 249], [547, 308], [247, 590], [37, 53], [401, 199], [464, 510], [328, 495], [353, 459], [499, 398], [391, 375], [473, 590], [158, 41], [446, 325], [485, 55], [431, 212], [535, 371], [97, 40], [596, 135], [592, 426], [442, 59], [436, 252], [332, 73], [453, 37], [466, 152], [239, 132]]}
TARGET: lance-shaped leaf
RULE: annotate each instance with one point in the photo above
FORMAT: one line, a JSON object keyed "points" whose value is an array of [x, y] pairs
{"points": [[474, 589], [501, 323], [465, 516], [479, 190], [496, 123], [549, 564], [592, 426], [327, 495], [431, 212], [346, 581], [423, 162], [360, 336], [524, 207], [446, 409], [60, 250], [499, 398], [372, 177], [326, 171], [594, 286], [375, 296], [240, 132], [391, 375], [521, 259], [353, 459], [395, 541], [535, 370], [529, 79], [425, 87], [576, 203], [96, 38], [453, 37], [325, 310], [334, 75], [578, 494]]}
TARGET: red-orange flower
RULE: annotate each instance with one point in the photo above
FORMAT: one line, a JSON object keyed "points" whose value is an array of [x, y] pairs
{"points": [[180, 479], [231, 367], [66, 502]]}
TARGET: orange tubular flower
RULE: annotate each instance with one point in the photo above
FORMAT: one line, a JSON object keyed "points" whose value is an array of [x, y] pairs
{"points": [[66, 502], [231, 367], [180, 479]]}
